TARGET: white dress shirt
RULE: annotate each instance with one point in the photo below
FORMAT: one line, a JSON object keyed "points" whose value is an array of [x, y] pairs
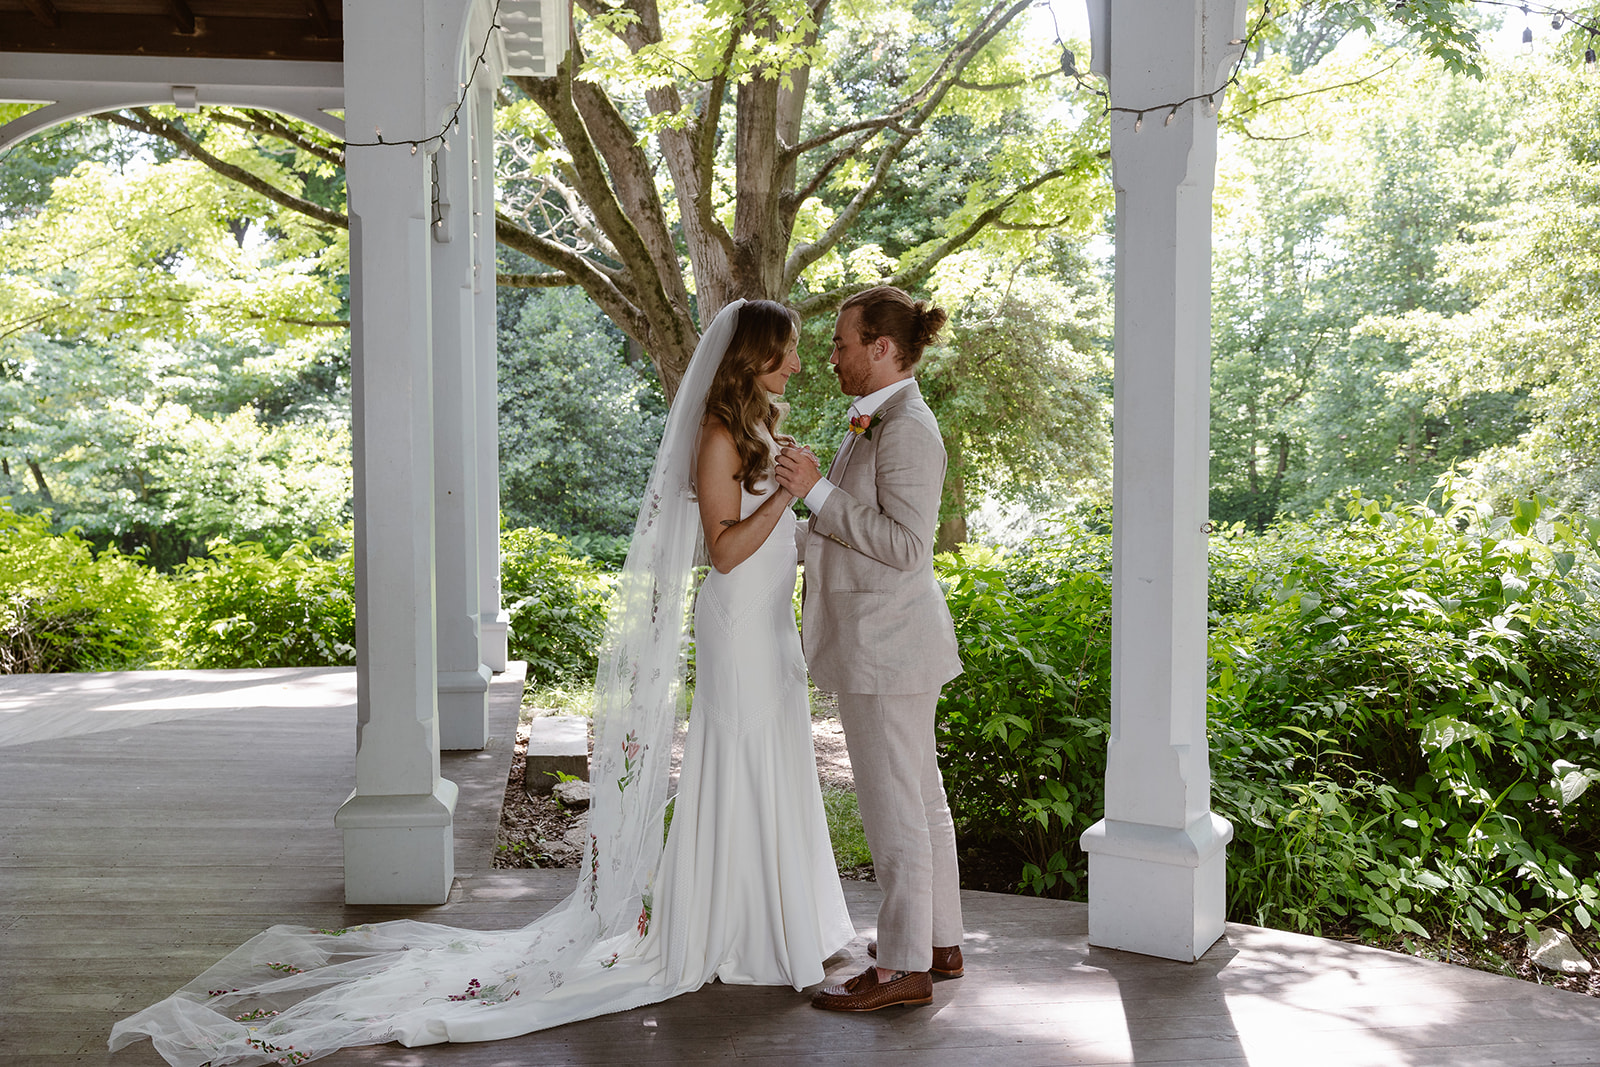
{"points": [[863, 405]]}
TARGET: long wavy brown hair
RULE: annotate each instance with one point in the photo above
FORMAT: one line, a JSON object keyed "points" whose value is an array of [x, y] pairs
{"points": [[763, 332]]}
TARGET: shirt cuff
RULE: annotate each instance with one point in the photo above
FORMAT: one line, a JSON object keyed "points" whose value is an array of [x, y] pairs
{"points": [[819, 495]]}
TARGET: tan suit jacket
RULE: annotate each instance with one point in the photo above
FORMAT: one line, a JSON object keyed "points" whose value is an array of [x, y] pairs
{"points": [[874, 619]]}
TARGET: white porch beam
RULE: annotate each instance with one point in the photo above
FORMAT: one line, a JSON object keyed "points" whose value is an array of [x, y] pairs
{"points": [[493, 620], [463, 676], [401, 62], [1156, 861], [76, 85]]}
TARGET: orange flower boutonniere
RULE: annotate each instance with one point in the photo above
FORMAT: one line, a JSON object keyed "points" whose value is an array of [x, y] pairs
{"points": [[863, 425]]}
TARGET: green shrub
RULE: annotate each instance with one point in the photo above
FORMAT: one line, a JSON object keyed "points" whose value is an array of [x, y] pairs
{"points": [[245, 607], [608, 551], [1404, 715], [1022, 732], [556, 602], [63, 608], [1405, 722]]}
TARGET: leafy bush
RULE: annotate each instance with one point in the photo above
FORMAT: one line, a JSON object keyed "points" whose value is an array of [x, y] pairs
{"points": [[1405, 722], [609, 551], [1404, 715], [244, 607], [63, 608], [1022, 732], [556, 602]]}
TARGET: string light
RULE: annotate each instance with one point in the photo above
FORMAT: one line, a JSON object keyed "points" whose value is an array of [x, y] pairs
{"points": [[1560, 18], [453, 123]]}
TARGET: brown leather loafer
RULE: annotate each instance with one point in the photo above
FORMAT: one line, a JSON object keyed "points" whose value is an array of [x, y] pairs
{"points": [[946, 961], [865, 993]]}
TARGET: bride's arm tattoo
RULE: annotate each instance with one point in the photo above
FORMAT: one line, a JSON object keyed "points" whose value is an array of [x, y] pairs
{"points": [[730, 522]]}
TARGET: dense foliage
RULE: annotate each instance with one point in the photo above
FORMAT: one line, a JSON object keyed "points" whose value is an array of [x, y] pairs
{"points": [[1404, 714], [579, 423], [245, 607], [246, 604], [1023, 730], [65, 608], [1405, 710], [557, 603]]}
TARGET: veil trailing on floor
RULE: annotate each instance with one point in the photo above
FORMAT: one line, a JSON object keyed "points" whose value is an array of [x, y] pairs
{"points": [[290, 994]]}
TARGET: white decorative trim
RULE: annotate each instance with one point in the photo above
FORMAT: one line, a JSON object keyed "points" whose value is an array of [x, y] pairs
{"points": [[77, 85]]}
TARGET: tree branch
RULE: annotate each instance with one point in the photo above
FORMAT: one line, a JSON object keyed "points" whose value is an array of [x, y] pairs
{"points": [[148, 123], [554, 279], [876, 125], [913, 275], [926, 99], [602, 285], [268, 126]]}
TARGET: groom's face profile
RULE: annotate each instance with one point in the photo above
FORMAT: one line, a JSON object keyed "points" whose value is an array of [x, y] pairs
{"points": [[852, 360]]}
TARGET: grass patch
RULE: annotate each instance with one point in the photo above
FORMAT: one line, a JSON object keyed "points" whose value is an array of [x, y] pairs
{"points": [[844, 829], [572, 697]]}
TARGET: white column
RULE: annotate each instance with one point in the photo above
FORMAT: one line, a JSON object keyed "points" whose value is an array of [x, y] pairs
{"points": [[398, 847], [1156, 861], [494, 622], [463, 676]]}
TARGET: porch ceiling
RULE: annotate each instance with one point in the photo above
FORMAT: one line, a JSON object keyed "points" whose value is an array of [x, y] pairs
{"points": [[211, 29]]}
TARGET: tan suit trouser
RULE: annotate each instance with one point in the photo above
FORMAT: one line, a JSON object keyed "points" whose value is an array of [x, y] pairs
{"points": [[907, 822]]}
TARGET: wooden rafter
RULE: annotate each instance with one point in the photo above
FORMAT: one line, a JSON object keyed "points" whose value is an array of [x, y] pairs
{"points": [[182, 15], [317, 12], [45, 12]]}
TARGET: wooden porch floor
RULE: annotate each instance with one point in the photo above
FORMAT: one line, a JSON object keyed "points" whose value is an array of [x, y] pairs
{"points": [[153, 821]]}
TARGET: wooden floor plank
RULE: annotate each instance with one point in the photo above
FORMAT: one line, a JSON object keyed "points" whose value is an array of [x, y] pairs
{"points": [[138, 849]]}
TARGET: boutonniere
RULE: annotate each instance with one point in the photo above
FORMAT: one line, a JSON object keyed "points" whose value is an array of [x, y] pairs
{"points": [[863, 425]]}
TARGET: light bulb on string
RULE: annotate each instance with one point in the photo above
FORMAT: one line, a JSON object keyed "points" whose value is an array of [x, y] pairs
{"points": [[1138, 123], [1170, 116]]}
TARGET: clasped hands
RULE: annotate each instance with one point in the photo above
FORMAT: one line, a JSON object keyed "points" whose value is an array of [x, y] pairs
{"points": [[798, 469]]}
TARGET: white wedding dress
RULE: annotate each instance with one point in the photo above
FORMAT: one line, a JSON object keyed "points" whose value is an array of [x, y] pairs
{"points": [[745, 889]]}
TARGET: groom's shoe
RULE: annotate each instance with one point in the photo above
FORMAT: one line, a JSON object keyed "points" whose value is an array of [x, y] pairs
{"points": [[946, 961], [865, 993]]}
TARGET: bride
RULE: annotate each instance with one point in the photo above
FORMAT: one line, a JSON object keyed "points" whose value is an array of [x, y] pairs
{"points": [[742, 885]]}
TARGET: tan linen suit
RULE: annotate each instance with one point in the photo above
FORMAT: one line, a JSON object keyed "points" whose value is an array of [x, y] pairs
{"points": [[877, 631]]}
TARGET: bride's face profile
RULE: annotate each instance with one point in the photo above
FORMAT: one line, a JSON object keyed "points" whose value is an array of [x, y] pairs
{"points": [[776, 380]]}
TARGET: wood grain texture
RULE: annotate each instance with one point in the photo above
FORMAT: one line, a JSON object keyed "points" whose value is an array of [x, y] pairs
{"points": [[153, 846]]}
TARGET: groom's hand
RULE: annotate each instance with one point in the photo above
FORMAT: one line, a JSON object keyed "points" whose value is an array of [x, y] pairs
{"points": [[798, 470]]}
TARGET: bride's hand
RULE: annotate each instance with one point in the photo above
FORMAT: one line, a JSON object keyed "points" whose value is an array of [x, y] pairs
{"points": [[798, 470]]}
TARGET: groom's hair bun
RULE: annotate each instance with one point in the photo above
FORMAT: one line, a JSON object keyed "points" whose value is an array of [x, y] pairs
{"points": [[889, 312]]}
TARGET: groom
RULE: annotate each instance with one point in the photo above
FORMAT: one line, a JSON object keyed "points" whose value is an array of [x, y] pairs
{"points": [[877, 632]]}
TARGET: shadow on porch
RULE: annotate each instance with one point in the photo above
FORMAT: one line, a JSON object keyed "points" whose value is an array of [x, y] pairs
{"points": [[155, 820]]}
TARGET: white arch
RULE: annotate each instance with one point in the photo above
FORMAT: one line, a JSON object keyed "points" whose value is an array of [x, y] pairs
{"points": [[72, 86]]}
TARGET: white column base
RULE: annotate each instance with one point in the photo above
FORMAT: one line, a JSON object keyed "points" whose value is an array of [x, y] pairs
{"points": [[398, 848], [464, 709], [1155, 890], [494, 641]]}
